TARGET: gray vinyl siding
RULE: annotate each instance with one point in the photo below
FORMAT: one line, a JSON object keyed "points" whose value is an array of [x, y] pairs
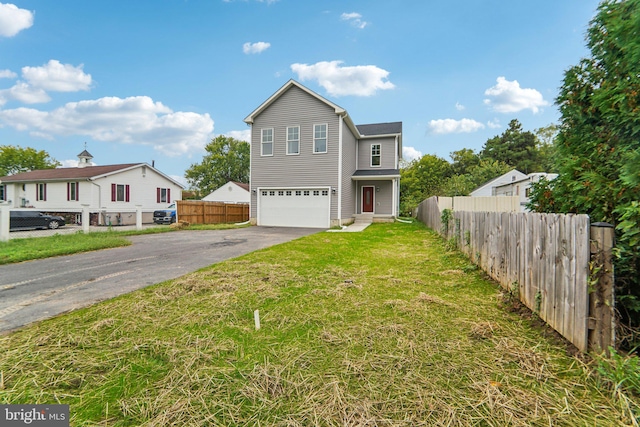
{"points": [[349, 145], [383, 199], [295, 108], [388, 153]]}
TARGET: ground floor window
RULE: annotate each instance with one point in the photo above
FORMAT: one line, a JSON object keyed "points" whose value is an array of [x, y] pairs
{"points": [[3, 193], [119, 193], [163, 195], [41, 192]]}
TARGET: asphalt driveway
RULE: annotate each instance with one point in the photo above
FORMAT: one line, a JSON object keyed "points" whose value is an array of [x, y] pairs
{"points": [[41, 289]]}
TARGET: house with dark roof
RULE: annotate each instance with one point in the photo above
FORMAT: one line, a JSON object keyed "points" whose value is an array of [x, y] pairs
{"points": [[110, 192], [311, 166]]}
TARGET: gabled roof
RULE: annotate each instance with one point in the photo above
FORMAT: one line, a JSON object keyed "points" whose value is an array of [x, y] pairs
{"points": [[241, 185], [376, 129], [249, 119], [499, 180], [67, 173], [88, 172]]}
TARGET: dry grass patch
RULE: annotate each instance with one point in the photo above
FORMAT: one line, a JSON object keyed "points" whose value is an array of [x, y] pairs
{"points": [[351, 336]]}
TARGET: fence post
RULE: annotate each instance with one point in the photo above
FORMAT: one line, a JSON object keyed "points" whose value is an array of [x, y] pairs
{"points": [[5, 218], [86, 219], [138, 217], [601, 293]]}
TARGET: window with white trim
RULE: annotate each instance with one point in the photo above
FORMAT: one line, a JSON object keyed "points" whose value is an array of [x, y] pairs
{"points": [[320, 138], [293, 140], [163, 195], [120, 192], [375, 155], [266, 144], [3, 193], [41, 192], [73, 193]]}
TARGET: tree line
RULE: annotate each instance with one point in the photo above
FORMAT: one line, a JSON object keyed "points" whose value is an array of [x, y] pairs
{"points": [[515, 148]]}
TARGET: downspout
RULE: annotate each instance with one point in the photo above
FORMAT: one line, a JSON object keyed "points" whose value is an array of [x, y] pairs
{"points": [[99, 196], [396, 185], [340, 170]]}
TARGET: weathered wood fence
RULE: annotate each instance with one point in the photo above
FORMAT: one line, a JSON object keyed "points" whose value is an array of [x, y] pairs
{"points": [[203, 212], [546, 260]]}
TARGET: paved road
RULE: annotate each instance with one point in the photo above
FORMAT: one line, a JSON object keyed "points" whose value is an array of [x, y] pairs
{"points": [[40, 289]]}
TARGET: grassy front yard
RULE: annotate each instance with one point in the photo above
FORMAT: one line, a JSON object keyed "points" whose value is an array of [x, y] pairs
{"points": [[380, 328], [26, 249]]}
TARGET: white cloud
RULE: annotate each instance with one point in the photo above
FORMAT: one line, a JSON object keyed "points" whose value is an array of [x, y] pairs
{"points": [[13, 20], [355, 19], [494, 124], [24, 93], [133, 120], [258, 47], [7, 74], [361, 80], [54, 76], [240, 135], [410, 153], [509, 97], [459, 106], [443, 126]]}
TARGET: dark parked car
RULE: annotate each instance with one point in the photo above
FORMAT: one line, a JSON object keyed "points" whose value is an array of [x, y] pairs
{"points": [[25, 220]]}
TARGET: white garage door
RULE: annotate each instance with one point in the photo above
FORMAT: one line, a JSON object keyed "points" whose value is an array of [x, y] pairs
{"points": [[294, 208]]}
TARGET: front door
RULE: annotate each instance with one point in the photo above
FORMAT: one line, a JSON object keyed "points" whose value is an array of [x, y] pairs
{"points": [[367, 199]]}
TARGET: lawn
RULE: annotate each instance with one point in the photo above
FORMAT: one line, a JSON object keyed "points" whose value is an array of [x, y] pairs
{"points": [[387, 327], [26, 249]]}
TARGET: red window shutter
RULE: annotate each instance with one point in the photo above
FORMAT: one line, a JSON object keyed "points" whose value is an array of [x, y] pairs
{"points": [[37, 192], [68, 191], [157, 194], [77, 190], [168, 195], [126, 191], [113, 192], [44, 198]]}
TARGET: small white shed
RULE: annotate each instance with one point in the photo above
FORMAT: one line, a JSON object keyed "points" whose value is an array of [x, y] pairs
{"points": [[231, 192]]}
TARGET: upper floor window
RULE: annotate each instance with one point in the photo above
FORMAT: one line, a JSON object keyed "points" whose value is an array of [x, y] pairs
{"points": [[375, 155], [163, 195], [266, 144], [41, 192], [73, 191], [293, 140], [119, 193], [320, 138]]}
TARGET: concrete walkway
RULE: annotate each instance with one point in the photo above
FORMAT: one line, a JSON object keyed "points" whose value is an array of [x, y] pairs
{"points": [[361, 222]]}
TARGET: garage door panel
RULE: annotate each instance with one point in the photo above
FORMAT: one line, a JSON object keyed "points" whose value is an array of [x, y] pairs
{"points": [[276, 208]]}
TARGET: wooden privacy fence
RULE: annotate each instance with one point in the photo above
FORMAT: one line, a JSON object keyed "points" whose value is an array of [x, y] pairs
{"points": [[546, 260], [203, 212]]}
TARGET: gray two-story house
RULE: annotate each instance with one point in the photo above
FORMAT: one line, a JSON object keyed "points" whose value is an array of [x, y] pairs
{"points": [[311, 166]]}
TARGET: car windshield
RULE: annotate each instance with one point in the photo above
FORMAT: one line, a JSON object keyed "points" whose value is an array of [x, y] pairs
{"points": [[172, 206]]}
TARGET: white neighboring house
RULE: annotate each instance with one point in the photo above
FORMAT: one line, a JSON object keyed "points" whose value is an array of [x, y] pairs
{"points": [[110, 192], [231, 192], [522, 187], [488, 189]]}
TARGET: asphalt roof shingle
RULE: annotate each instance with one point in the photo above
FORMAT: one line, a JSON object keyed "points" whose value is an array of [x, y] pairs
{"points": [[66, 173], [380, 128]]}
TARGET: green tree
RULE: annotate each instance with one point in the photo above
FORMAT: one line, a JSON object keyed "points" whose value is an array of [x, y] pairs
{"points": [[597, 147], [227, 160], [421, 179], [545, 146], [463, 161], [14, 160], [514, 147]]}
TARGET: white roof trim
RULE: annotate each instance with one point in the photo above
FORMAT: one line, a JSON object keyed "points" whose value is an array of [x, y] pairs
{"points": [[139, 165]]}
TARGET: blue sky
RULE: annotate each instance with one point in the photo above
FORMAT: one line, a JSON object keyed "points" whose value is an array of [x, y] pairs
{"points": [[157, 79]]}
